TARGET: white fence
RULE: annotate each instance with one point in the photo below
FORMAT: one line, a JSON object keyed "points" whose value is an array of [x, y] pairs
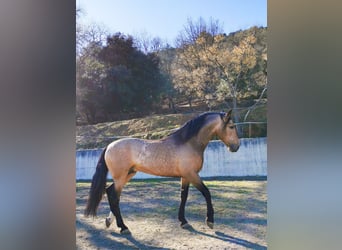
{"points": [[249, 160]]}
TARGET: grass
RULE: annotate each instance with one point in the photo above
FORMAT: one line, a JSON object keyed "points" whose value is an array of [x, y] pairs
{"points": [[150, 127]]}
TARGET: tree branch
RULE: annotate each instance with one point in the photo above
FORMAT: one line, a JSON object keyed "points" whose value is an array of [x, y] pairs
{"points": [[255, 104]]}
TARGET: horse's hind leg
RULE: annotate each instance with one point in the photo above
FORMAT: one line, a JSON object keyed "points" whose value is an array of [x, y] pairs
{"points": [[184, 196], [113, 194]]}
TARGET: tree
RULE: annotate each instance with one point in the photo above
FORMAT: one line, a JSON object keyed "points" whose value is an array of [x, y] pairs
{"points": [[89, 70], [166, 58], [89, 34], [215, 67], [133, 81], [226, 72], [148, 44], [193, 29], [192, 76], [90, 73], [235, 66], [245, 73]]}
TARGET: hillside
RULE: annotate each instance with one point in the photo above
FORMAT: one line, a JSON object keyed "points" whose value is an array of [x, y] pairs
{"points": [[149, 127]]}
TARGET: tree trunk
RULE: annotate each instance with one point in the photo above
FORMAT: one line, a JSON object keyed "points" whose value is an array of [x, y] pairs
{"points": [[190, 103], [251, 108], [172, 104], [235, 113], [236, 116]]}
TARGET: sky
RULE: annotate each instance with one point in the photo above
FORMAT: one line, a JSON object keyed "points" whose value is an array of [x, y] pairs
{"points": [[166, 18]]}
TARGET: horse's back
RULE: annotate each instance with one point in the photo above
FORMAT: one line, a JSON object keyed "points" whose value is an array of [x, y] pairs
{"points": [[155, 157]]}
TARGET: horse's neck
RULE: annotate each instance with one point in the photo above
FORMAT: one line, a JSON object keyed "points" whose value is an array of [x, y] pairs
{"points": [[206, 133]]}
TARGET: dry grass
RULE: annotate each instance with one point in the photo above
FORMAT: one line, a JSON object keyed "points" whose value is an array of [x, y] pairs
{"points": [[150, 127]]}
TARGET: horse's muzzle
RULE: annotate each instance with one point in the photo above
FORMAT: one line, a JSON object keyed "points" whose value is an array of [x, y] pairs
{"points": [[234, 147]]}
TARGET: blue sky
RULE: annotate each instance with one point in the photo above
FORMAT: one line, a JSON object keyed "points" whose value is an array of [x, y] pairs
{"points": [[165, 18]]}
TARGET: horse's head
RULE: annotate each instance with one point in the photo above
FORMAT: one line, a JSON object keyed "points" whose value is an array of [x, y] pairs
{"points": [[227, 132]]}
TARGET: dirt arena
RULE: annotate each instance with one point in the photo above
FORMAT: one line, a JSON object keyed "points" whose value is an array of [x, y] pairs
{"points": [[150, 210]]}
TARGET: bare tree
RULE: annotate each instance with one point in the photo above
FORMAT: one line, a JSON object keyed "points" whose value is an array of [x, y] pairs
{"points": [[86, 34], [148, 44], [193, 29]]}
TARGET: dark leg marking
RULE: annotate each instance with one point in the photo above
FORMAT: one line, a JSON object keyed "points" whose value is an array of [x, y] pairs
{"points": [[184, 196], [210, 210], [114, 199]]}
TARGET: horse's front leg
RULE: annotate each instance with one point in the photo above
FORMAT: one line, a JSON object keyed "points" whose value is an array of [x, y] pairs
{"points": [[198, 183], [184, 196]]}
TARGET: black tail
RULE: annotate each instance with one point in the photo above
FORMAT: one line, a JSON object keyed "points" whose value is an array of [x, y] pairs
{"points": [[98, 186]]}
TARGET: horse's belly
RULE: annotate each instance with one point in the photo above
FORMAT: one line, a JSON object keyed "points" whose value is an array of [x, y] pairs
{"points": [[158, 168], [156, 159]]}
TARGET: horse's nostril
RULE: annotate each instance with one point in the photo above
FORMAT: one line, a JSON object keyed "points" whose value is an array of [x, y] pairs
{"points": [[234, 148]]}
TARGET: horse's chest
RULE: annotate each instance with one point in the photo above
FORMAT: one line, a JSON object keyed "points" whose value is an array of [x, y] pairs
{"points": [[190, 160]]}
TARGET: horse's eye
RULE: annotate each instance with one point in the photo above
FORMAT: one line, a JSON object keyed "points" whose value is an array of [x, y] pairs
{"points": [[233, 126]]}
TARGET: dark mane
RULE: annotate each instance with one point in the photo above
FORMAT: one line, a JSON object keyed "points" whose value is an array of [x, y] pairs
{"points": [[192, 127]]}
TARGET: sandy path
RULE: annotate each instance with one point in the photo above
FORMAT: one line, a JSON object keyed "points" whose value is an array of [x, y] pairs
{"points": [[150, 210]]}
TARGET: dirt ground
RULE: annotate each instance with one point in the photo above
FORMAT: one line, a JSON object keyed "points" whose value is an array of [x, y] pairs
{"points": [[150, 208]]}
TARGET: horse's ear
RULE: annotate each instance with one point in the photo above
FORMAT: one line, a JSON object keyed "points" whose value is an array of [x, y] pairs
{"points": [[227, 116]]}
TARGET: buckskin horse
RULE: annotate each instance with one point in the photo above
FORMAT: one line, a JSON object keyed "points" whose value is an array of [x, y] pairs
{"points": [[178, 155]]}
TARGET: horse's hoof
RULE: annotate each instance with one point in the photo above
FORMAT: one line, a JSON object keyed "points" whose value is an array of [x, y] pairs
{"points": [[108, 222], [186, 226], [210, 224], [125, 231]]}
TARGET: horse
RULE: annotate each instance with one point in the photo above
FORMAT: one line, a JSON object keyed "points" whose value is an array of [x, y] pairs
{"points": [[179, 154]]}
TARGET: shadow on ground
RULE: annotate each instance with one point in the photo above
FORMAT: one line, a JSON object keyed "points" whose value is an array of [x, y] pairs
{"points": [[99, 239], [227, 238]]}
